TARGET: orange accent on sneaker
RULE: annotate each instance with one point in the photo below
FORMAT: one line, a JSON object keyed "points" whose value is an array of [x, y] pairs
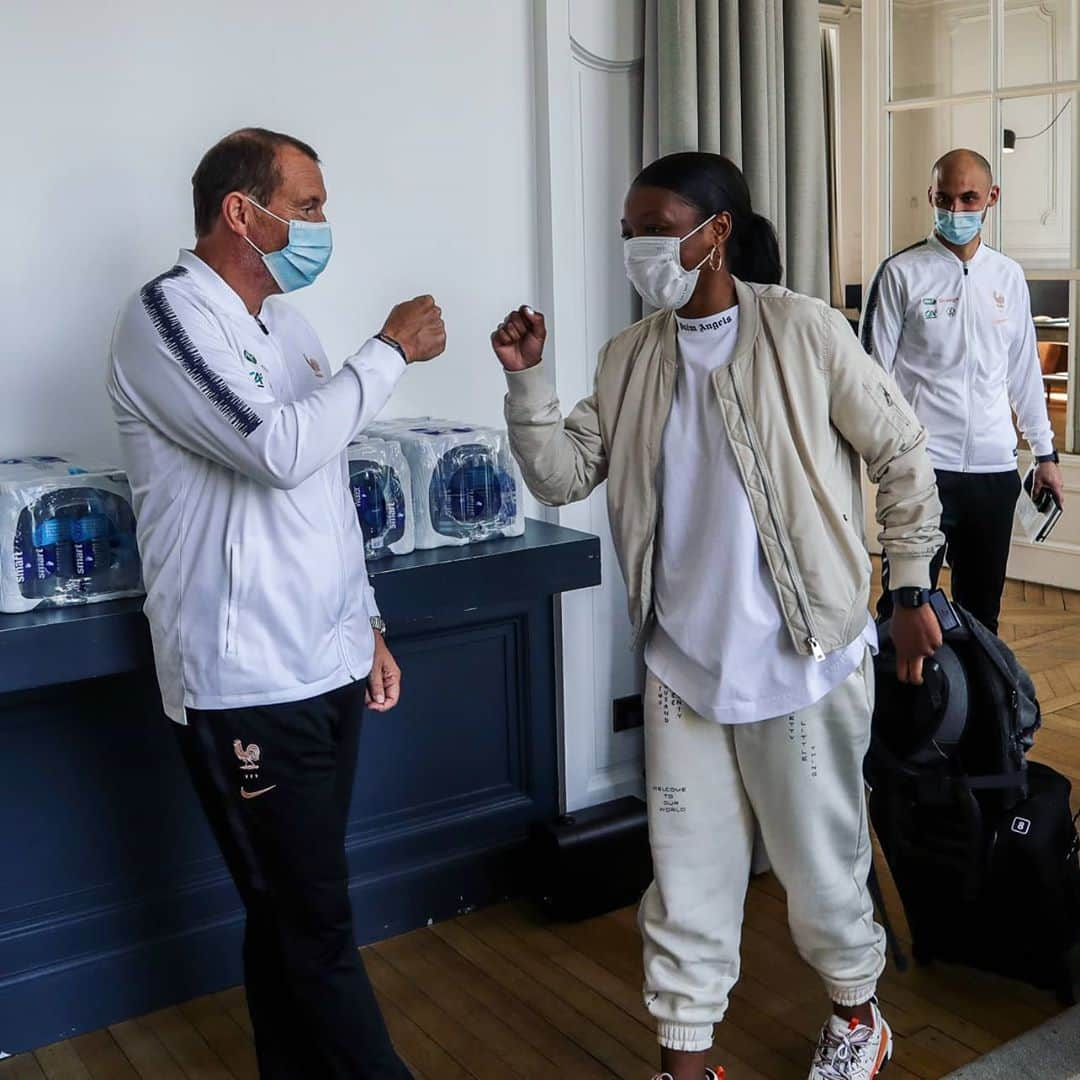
{"points": [[883, 1052]]}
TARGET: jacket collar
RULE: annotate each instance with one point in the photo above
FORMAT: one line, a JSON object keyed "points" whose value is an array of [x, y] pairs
{"points": [[939, 248], [212, 285], [749, 320]]}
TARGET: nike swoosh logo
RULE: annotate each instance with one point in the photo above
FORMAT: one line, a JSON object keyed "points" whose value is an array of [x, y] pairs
{"points": [[256, 794]]}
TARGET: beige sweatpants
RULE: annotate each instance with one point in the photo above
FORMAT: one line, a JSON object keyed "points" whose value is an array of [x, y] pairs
{"points": [[800, 778]]}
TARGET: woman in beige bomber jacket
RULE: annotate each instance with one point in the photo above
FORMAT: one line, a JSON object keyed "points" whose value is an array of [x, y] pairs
{"points": [[799, 403]]}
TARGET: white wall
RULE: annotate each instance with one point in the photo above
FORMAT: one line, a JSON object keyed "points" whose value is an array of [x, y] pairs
{"points": [[421, 110], [589, 96], [477, 150]]}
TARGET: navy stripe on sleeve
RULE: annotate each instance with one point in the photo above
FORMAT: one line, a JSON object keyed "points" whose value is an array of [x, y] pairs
{"points": [[875, 298], [213, 387]]}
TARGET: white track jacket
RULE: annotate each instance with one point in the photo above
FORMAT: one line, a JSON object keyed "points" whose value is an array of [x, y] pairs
{"points": [[233, 432], [959, 341]]}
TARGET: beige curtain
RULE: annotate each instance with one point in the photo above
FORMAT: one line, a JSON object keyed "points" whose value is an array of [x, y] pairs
{"points": [[743, 78]]}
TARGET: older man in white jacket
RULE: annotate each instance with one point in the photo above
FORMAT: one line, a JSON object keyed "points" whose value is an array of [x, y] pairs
{"points": [[267, 639]]}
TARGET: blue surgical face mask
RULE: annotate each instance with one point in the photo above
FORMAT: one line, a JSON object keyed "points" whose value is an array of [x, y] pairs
{"points": [[303, 258], [958, 226]]}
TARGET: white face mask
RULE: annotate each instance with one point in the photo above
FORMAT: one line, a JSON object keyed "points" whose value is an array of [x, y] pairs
{"points": [[654, 267]]}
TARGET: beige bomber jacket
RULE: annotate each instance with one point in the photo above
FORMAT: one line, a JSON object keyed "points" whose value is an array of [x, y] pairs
{"points": [[802, 403]]}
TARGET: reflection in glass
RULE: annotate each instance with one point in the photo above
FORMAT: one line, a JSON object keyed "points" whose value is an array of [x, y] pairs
{"points": [[919, 138], [1041, 43], [940, 49], [1050, 308], [1038, 226]]}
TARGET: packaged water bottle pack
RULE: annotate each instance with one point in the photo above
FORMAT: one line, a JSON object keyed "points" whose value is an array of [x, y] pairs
{"points": [[466, 484], [67, 534], [381, 487]]}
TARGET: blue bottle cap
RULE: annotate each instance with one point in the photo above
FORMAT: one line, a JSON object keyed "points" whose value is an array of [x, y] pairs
{"points": [[90, 527], [52, 531]]}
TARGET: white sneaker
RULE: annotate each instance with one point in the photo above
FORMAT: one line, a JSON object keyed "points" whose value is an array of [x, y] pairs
{"points": [[849, 1050]]}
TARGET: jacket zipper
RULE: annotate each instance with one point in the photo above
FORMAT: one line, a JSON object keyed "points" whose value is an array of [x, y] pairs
{"points": [[334, 517], [812, 642], [967, 370], [654, 520], [646, 606], [341, 570]]}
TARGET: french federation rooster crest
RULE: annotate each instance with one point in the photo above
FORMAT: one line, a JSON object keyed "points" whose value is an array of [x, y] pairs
{"points": [[249, 755]]}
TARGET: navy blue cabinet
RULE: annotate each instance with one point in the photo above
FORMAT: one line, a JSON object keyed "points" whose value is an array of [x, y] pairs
{"points": [[113, 898]]}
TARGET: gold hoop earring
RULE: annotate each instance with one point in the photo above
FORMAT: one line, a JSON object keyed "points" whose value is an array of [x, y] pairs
{"points": [[716, 260]]}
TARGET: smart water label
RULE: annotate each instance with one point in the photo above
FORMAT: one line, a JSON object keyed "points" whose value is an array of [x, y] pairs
{"points": [[85, 560], [45, 562]]}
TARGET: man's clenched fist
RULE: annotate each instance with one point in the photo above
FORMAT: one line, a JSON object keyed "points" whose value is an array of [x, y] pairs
{"points": [[417, 326]]}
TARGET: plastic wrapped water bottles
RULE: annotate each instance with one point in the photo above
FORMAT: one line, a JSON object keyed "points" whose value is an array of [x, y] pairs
{"points": [[381, 487], [466, 484], [67, 534]]}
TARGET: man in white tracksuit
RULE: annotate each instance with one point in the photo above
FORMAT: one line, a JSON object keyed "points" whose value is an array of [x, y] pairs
{"points": [[950, 319], [267, 639]]}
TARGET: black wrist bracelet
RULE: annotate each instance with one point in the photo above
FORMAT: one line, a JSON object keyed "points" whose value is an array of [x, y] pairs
{"points": [[386, 339]]}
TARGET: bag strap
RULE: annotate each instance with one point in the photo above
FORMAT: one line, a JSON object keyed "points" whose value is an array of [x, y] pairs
{"points": [[944, 784], [997, 781], [986, 642], [1000, 655]]}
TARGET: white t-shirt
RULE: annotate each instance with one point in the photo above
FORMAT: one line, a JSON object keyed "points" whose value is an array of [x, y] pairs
{"points": [[720, 641]]}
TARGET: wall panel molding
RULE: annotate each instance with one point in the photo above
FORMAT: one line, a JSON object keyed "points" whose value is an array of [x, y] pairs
{"points": [[589, 74], [600, 63]]}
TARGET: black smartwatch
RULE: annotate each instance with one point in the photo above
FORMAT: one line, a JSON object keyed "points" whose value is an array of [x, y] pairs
{"points": [[1042, 459], [911, 597]]}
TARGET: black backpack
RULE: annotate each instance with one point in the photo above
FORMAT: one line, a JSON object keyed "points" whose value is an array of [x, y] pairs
{"points": [[981, 843]]}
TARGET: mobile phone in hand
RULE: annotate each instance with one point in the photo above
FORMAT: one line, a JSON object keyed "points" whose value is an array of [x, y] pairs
{"points": [[1046, 497]]}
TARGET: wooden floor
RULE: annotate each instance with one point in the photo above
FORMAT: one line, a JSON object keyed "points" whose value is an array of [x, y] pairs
{"points": [[499, 994]]}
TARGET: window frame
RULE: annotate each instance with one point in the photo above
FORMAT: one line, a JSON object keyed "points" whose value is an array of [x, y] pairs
{"points": [[878, 165]]}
